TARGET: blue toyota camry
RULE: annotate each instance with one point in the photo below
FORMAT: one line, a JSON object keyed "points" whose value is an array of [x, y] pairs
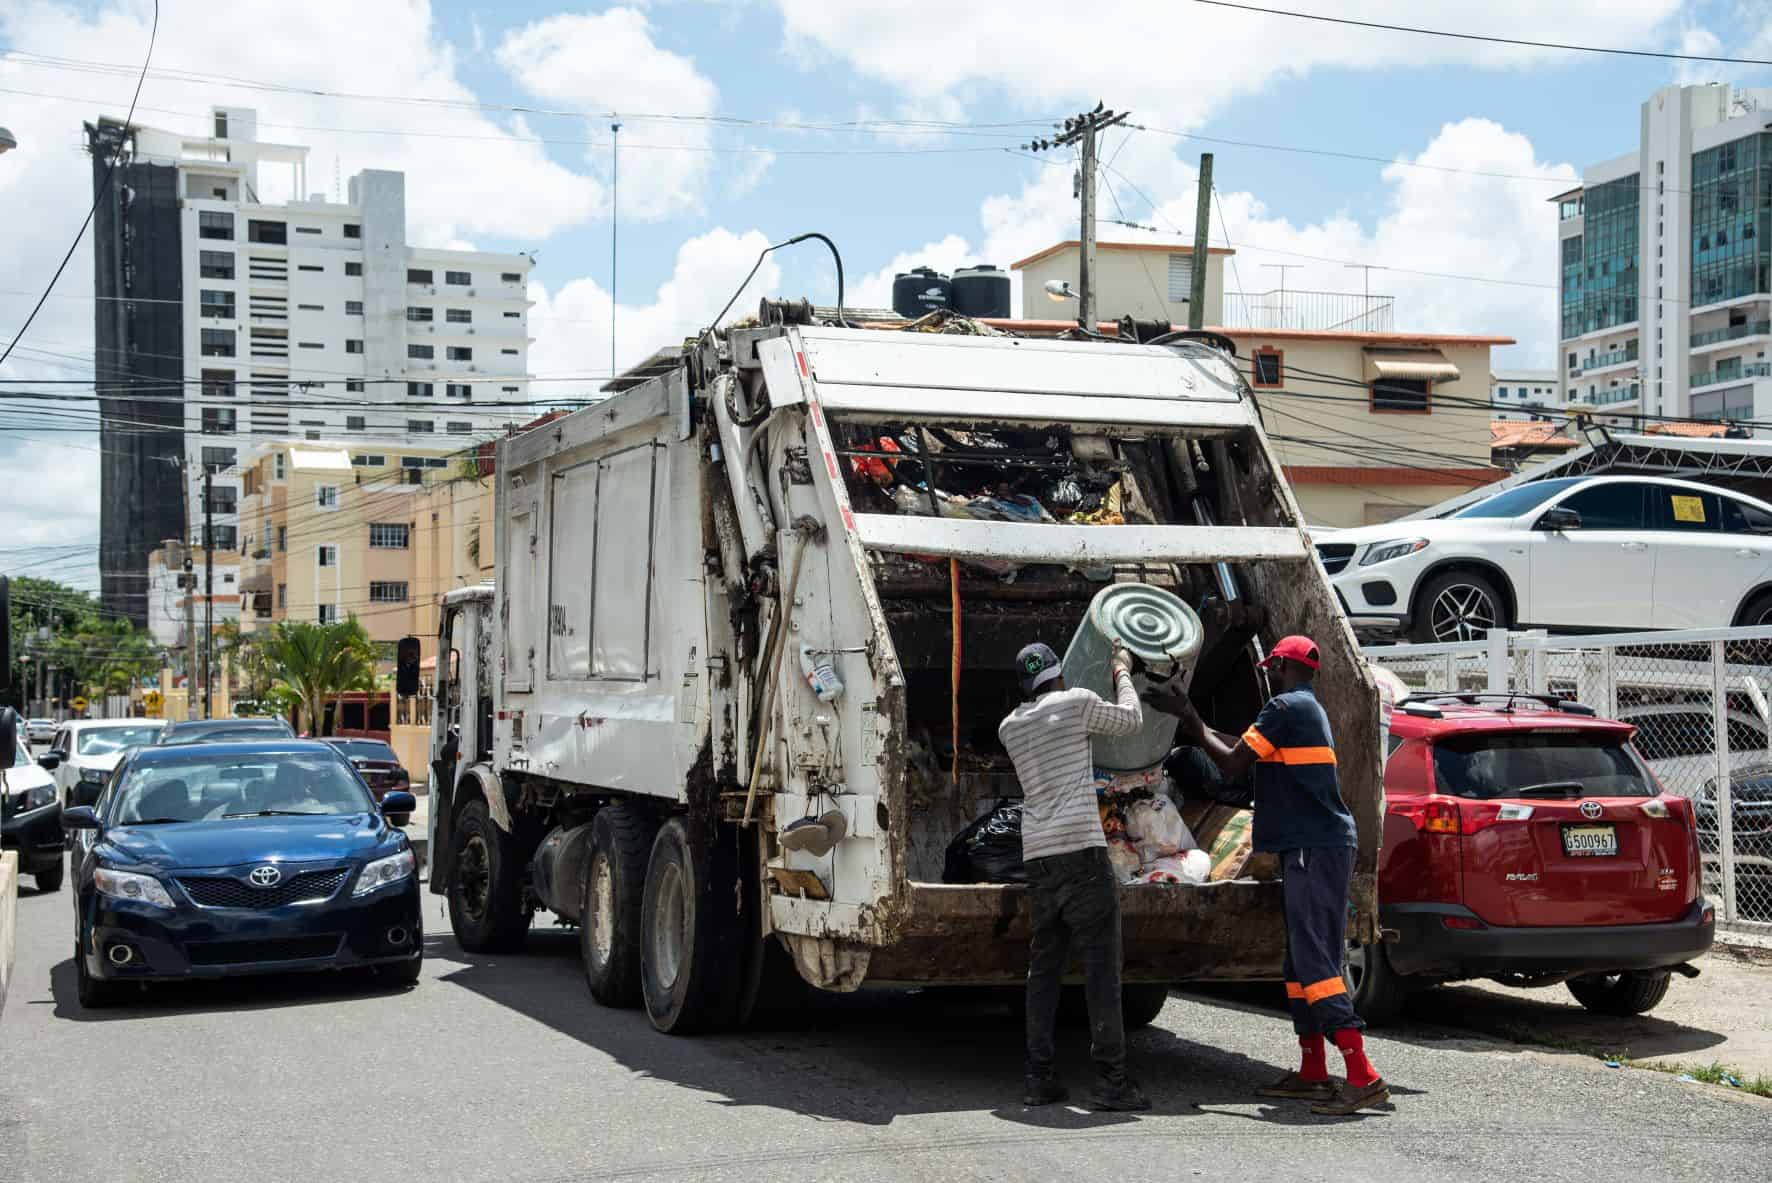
{"points": [[213, 860]]}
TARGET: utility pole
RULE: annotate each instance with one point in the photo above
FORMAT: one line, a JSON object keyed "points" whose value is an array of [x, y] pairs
{"points": [[614, 226], [1196, 296], [208, 586], [1081, 130], [188, 584]]}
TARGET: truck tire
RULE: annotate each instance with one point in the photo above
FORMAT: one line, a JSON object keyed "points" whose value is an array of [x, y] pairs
{"points": [[1141, 1003], [1378, 992], [690, 935], [609, 903], [485, 885], [1623, 994]]}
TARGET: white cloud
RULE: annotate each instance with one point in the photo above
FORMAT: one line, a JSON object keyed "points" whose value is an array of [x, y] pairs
{"points": [[609, 61], [1701, 42]]}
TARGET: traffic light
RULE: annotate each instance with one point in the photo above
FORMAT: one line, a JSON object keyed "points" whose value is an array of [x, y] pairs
{"points": [[406, 667]]}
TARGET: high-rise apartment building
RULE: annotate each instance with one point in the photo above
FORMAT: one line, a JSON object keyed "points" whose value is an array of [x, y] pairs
{"points": [[225, 321], [1665, 264]]}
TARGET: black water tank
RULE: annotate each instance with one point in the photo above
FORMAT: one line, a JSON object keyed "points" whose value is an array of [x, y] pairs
{"points": [[981, 291], [920, 292]]}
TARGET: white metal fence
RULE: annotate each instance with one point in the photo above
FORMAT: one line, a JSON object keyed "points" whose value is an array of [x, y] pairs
{"points": [[1702, 704]]}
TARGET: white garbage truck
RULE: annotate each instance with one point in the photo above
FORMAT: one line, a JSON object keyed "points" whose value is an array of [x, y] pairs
{"points": [[784, 576]]}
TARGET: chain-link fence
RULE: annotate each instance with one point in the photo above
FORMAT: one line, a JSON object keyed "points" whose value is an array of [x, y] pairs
{"points": [[1702, 705]]}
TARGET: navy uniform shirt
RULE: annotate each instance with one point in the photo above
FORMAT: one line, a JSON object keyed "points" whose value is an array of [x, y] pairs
{"points": [[1297, 796]]}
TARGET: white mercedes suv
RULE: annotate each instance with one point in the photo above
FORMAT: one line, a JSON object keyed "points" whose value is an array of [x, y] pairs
{"points": [[1587, 554]]}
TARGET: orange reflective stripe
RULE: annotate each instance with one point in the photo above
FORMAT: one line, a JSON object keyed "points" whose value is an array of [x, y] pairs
{"points": [[1303, 755], [1327, 988], [1258, 744], [1294, 990]]}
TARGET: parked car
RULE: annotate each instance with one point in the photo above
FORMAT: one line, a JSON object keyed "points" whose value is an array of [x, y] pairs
{"points": [[225, 730], [221, 859], [1584, 553], [31, 818], [1678, 741], [40, 730], [84, 751], [374, 760], [1525, 841]]}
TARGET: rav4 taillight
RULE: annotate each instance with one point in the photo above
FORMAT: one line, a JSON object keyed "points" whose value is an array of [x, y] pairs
{"points": [[1430, 815], [1679, 808], [1477, 816]]}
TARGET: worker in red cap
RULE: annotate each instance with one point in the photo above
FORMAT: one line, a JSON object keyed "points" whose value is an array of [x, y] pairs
{"points": [[1300, 816]]}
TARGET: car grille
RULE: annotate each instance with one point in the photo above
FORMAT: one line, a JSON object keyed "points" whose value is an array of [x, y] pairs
{"points": [[220, 892], [1335, 555], [247, 952]]}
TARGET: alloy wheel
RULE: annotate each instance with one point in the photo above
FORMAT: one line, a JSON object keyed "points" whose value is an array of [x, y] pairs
{"points": [[1462, 612]]}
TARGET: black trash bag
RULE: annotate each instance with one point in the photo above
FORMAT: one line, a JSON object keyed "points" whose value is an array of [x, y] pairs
{"points": [[1196, 776], [988, 850]]}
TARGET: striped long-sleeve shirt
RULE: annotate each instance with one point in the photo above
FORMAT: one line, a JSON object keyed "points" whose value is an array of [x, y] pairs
{"points": [[1048, 739]]}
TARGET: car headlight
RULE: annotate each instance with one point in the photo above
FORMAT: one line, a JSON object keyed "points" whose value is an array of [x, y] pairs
{"points": [[1384, 552], [35, 798], [382, 872], [127, 885], [93, 776]]}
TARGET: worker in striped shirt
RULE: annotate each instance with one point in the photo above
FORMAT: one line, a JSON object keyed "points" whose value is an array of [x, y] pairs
{"points": [[1073, 896]]}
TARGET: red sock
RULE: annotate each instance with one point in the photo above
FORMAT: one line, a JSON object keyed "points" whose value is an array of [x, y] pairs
{"points": [[1315, 1065], [1360, 1071]]}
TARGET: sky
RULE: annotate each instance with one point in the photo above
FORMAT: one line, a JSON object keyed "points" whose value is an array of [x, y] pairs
{"points": [[894, 127]]}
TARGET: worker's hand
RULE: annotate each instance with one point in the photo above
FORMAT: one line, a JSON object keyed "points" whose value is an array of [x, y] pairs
{"points": [[1171, 703], [1122, 659]]}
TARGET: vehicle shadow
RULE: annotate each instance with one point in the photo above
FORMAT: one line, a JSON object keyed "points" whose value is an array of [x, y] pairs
{"points": [[269, 991], [1515, 1020], [869, 1057]]}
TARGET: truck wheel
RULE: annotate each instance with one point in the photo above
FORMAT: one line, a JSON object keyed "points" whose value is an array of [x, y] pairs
{"points": [[50, 878], [690, 935], [609, 903], [1621, 994], [1377, 991], [486, 885], [1141, 1003]]}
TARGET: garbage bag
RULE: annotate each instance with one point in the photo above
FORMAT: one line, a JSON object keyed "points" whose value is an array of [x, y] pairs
{"points": [[1123, 857], [1194, 866], [988, 850], [1154, 825]]}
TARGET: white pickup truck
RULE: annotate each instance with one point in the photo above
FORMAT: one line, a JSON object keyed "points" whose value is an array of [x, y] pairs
{"points": [[624, 729]]}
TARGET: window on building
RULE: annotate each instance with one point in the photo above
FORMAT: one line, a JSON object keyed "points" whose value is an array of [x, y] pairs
{"points": [[215, 264], [355, 423], [269, 233], [325, 496], [218, 420], [310, 267], [215, 224], [218, 383], [419, 275], [354, 386], [459, 353], [327, 613], [222, 499], [457, 390], [418, 314], [219, 458], [353, 230], [353, 345], [222, 537], [389, 535], [511, 352], [221, 125], [282, 537], [421, 426], [421, 352], [369, 460], [310, 308], [1501, 392], [310, 345], [353, 308], [1181, 278], [387, 591], [460, 279], [1402, 394], [513, 316], [277, 466], [459, 316], [353, 269], [326, 555], [282, 595], [509, 389], [457, 427], [512, 277], [307, 229], [218, 343], [419, 389], [1267, 368]]}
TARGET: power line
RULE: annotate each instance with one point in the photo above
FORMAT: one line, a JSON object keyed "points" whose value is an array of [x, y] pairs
{"points": [[1389, 28]]}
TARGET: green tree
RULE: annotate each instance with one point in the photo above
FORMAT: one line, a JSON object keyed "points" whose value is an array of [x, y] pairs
{"points": [[312, 664], [68, 630]]}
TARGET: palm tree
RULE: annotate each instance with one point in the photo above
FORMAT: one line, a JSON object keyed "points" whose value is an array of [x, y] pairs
{"points": [[313, 663]]}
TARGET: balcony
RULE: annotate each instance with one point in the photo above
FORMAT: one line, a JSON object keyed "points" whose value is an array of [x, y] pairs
{"points": [[1757, 369], [1602, 361], [1757, 328]]}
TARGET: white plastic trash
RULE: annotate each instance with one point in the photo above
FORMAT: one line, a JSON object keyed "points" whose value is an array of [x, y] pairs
{"points": [[1163, 632], [1123, 857], [1154, 825], [1192, 867]]}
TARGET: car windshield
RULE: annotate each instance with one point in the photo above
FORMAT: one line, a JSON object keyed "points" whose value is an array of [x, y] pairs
{"points": [[102, 741], [201, 787], [363, 749], [1518, 500], [233, 729], [1555, 763]]}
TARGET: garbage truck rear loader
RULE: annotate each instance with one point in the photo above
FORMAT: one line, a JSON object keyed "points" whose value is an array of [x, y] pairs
{"points": [[893, 513]]}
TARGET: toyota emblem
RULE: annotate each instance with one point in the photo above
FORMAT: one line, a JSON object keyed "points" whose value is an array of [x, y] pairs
{"points": [[1588, 809], [265, 876]]}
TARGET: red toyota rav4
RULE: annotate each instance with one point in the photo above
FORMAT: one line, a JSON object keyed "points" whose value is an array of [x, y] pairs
{"points": [[1525, 841]]}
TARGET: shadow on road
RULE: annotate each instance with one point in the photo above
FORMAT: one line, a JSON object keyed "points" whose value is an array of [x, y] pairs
{"points": [[255, 992]]}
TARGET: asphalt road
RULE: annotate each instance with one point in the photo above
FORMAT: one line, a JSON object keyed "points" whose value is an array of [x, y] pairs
{"points": [[503, 1069]]}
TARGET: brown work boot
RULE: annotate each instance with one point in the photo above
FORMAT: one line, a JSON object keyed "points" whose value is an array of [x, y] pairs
{"points": [[1348, 1099], [1294, 1087]]}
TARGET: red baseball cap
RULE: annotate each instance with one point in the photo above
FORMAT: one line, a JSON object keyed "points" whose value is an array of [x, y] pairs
{"points": [[1297, 648]]}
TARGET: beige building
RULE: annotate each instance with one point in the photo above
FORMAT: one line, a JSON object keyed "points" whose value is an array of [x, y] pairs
{"points": [[1146, 281]]}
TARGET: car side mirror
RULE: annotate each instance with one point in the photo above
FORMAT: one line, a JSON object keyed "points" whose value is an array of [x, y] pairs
{"points": [[87, 793], [1559, 517], [50, 762], [395, 801], [81, 817]]}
